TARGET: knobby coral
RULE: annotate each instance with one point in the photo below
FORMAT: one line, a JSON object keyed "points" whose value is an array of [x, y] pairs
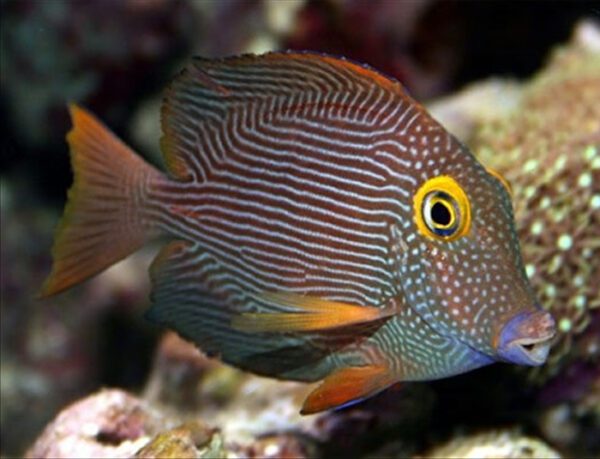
{"points": [[548, 148]]}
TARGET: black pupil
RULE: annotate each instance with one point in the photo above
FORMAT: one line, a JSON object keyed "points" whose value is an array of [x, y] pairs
{"points": [[440, 214]]}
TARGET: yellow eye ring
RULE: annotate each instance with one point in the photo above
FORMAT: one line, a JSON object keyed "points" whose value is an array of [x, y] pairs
{"points": [[441, 209]]}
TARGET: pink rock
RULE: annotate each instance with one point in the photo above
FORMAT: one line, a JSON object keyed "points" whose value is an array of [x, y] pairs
{"points": [[110, 423]]}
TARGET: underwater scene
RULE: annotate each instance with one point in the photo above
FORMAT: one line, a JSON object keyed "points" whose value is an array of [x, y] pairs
{"points": [[299, 229]]}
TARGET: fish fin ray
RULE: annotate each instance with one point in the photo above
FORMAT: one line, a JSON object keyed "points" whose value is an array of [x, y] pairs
{"points": [[185, 279], [346, 386], [503, 180], [314, 314], [201, 102], [101, 223]]}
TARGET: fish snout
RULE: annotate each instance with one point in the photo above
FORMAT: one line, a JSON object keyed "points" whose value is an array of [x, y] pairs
{"points": [[526, 338]]}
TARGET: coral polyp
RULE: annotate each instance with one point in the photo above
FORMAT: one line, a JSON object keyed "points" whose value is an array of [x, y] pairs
{"points": [[548, 148]]}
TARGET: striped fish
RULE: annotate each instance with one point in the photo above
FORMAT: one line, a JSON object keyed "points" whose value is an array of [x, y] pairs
{"points": [[321, 225]]}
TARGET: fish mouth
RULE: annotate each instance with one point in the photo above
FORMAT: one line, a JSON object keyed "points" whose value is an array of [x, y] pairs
{"points": [[526, 339], [530, 351]]}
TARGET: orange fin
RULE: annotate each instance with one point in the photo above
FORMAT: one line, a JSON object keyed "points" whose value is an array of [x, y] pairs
{"points": [[347, 386], [102, 222], [313, 314], [501, 179]]}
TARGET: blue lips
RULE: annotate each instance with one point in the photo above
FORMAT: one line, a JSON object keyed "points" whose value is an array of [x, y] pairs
{"points": [[525, 339]]}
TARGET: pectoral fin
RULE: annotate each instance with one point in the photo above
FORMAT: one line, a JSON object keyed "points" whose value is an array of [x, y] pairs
{"points": [[313, 314], [347, 386]]}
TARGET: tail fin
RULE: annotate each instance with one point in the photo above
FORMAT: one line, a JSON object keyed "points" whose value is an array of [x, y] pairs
{"points": [[102, 221]]}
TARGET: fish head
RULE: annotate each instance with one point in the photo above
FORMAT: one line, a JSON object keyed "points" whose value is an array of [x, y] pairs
{"points": [[465, 275]]}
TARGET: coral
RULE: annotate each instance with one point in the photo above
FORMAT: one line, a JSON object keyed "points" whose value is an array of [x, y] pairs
{"points": [[544, 137], [548, 148], [59, 51], [259, 417], [383, 40], [571, 400], [190, 440], [251, 417], [238, 26], [478, 104], [497, 445], [185, 381]]}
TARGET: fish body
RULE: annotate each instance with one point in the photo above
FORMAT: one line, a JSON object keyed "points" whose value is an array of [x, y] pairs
{"points": [[321, 226]]}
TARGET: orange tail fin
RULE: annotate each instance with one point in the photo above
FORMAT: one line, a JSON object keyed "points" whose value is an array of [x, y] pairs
{"points": [[102, 222]]}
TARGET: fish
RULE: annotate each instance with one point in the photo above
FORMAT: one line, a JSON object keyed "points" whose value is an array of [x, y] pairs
{"points": [[318, 225]]}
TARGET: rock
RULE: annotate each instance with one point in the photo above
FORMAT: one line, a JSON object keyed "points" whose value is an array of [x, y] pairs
{"points": [[55, 350], [493, 445], [283, 446], [177, 372], [190, 440], [110, 423]]}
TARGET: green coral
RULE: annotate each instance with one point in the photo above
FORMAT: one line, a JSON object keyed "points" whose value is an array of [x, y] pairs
{"points": [[548, 148]]}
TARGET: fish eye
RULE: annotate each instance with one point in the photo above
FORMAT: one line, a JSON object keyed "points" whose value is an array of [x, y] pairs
{"points": [[442, 209], [440, 213]]}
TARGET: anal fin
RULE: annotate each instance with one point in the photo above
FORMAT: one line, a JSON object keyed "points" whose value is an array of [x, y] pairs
{"points": [[190, 295], [347, 385]]}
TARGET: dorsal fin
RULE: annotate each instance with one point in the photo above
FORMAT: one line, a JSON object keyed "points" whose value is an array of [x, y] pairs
{"points": [[201, 97], [497, 175]]}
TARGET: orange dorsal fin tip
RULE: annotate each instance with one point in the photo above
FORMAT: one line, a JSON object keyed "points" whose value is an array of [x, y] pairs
{"points": [[347, 385], [367, 72], [348, 66], [85, 124], [206, 86], [496, 174], [77, 112], [312, 314]]}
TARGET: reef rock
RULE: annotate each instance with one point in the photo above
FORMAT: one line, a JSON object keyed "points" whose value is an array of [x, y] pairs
{"points": [[189, 440], [496, 445], [110, 423]]}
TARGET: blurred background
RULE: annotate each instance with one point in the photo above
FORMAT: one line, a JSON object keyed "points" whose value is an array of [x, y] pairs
{"points": [[115, 57]]}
